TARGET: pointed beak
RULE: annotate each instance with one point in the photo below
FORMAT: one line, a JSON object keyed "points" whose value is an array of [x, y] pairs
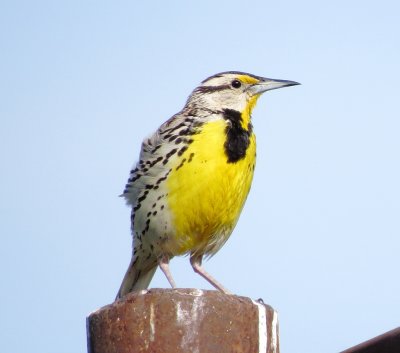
{"points": [[268, 84]]}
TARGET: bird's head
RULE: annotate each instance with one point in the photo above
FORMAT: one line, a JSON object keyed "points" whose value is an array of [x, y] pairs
{"points": [[232, 90]]}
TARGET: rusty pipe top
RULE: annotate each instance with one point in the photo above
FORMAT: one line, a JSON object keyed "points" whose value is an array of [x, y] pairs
{"points": [[183, 320]]}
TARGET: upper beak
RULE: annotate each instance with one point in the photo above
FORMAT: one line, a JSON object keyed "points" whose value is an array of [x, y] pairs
{"points": [[267, 84]]}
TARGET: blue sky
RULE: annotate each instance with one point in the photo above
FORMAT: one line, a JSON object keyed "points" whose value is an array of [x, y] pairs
{"points": [[83, 82]]}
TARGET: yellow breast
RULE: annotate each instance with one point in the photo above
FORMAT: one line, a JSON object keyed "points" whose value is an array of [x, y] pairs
{"points": [[206, 193]]}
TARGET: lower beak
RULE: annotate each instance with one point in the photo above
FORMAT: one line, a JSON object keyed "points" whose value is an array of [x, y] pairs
{"points": [[268, 84]]}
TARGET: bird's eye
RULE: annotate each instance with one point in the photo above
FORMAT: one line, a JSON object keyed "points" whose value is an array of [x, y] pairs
{"points": [[236, 84]]}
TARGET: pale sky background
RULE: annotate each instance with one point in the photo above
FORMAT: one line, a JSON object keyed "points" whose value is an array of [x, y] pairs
{"points": [[83, 82]]}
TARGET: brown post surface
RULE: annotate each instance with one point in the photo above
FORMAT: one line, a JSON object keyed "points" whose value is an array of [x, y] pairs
{"points": [[183, 320]]}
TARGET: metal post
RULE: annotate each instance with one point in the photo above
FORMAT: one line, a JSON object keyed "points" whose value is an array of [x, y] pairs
{"points": [[183, 320], [388, 342]]}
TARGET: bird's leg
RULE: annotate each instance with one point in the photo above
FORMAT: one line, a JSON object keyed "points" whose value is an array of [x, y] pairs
{"points": [[163, 262], [195, 261]]}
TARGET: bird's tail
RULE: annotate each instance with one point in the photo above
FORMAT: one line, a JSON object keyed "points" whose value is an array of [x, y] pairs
{"points": [[137, 277]]}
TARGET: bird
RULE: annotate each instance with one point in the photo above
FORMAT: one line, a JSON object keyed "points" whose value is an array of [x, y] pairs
{"points": [[192, 179]]}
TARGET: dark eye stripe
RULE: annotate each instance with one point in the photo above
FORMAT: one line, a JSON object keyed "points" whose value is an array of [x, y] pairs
{"points": [[210, 89]]}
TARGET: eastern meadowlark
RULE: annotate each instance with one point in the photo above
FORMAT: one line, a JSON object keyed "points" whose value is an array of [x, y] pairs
{"points": [[193, 177]]}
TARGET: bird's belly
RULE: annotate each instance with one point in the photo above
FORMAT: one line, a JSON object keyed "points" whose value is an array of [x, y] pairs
{"points": [[206, 193]]}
